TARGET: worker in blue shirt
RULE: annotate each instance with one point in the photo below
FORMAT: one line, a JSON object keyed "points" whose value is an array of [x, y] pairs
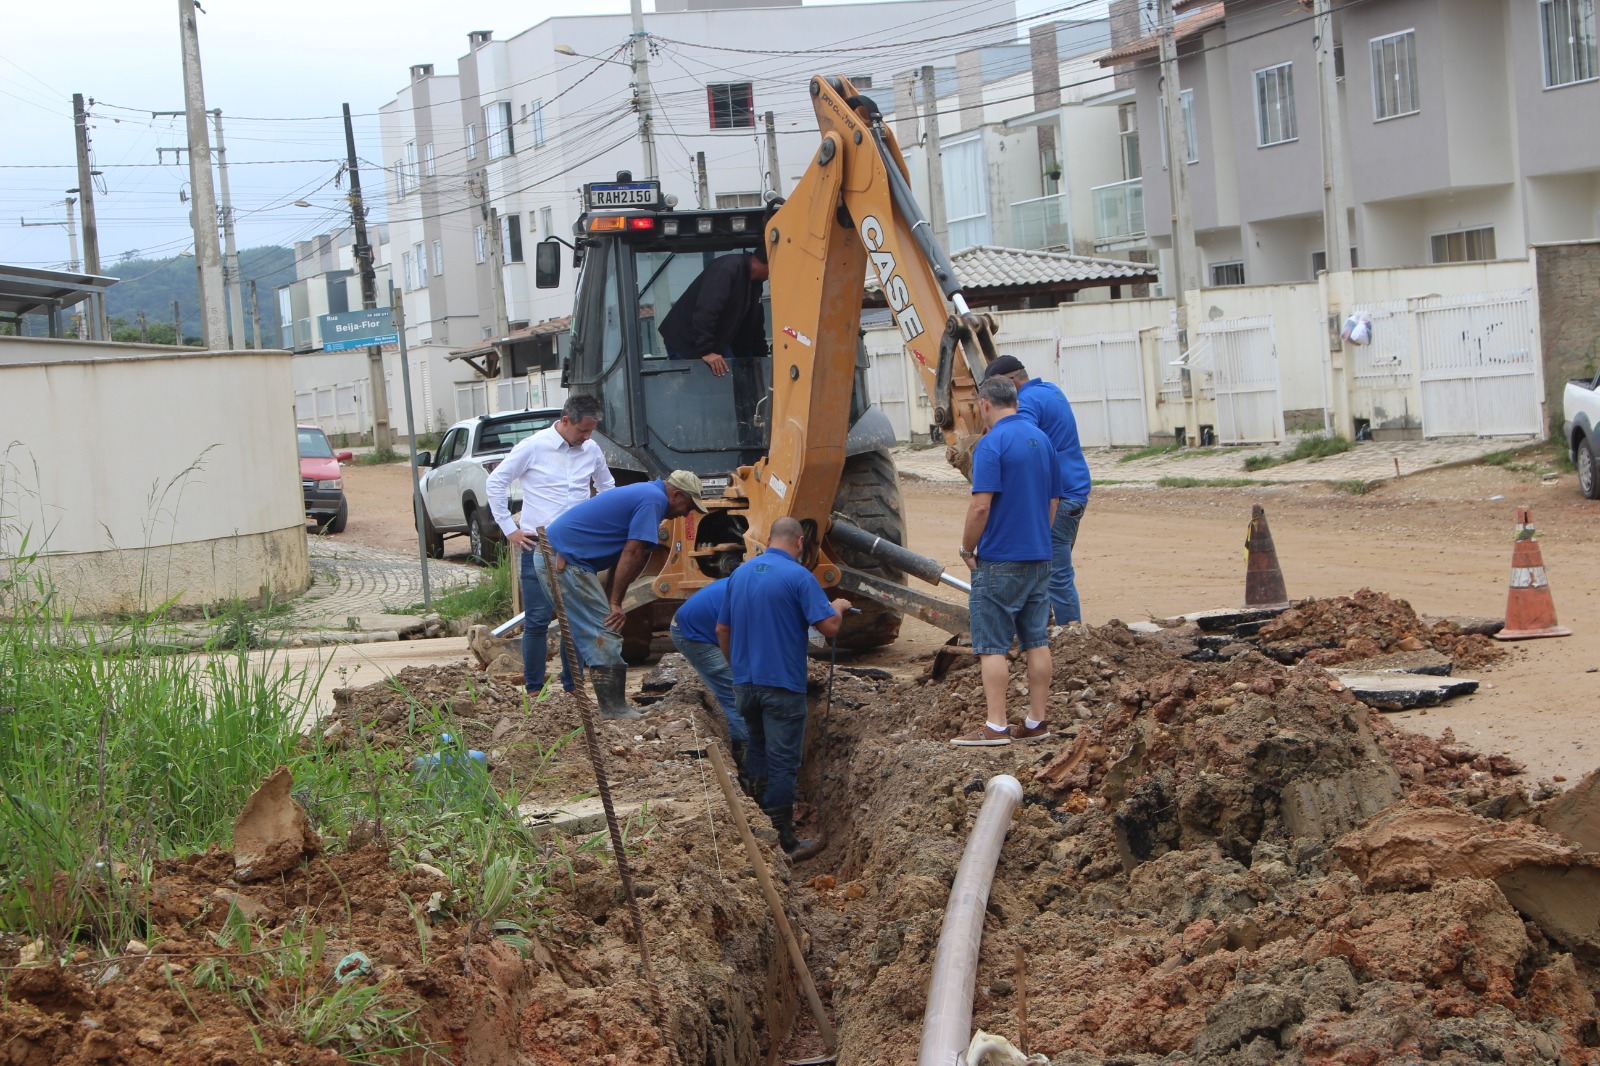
{"points": [[694, 634], [1016, 487], [614, 532], [1046, 406], [771, 600]]}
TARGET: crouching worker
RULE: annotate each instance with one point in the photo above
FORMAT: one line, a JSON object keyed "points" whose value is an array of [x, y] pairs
{"points": [[694, 634], [613, 532], [771, 600]]}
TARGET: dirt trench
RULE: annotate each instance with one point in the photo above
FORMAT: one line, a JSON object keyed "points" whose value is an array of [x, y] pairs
{"points": [[1171, 879]]}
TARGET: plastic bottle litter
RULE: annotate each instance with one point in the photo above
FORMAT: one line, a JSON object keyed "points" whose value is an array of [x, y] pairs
{"points": [[449, 760]]}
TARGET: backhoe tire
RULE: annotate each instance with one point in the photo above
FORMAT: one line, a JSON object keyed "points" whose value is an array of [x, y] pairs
{"points": [[869, 496]]}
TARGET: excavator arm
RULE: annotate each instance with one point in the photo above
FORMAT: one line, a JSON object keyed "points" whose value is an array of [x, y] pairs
{"points": [[850, 215]]}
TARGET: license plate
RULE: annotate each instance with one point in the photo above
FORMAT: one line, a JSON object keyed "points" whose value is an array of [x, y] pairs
{"points": [[636, 194]]}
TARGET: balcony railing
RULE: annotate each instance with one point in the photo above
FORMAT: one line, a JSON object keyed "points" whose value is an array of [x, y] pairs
{"points": [[1118, 211], [1040, 223]]}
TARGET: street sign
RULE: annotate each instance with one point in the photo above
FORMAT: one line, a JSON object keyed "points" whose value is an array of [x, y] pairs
{"points": [[357, 329], [622, 194]]}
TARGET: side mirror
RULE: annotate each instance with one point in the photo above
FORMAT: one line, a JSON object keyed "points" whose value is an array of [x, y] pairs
{"points": [[424, 458], [344, 457], [546, 265]]}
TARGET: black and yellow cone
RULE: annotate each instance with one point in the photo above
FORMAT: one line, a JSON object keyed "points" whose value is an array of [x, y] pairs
{"points": [[1263, 581]]}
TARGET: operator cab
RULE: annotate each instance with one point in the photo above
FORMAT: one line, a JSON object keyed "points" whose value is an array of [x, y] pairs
{"points": [[637, 257]]}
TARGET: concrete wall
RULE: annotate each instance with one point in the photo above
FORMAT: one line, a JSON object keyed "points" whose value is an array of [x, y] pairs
{"points": [[149, 473], [1569, 315]]}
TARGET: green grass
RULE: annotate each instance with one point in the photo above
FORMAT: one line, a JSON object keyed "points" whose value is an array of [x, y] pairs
{"points": [[380, 457], [1147, 453], [1205, 483], [487, 600], [1355, 487], [1544, 457], [1314, 448]]}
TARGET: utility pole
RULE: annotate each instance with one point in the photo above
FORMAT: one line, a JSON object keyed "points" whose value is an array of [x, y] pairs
{"points": [[1183, 244], [369, 290], [72, 259], [203, 197], [255, 317], [641, 91], [502, 321], [1335, 194], [85, 190], [774, 178], [230, 254], [930, 120], [702, 183], [177, 325], [144, 330]]}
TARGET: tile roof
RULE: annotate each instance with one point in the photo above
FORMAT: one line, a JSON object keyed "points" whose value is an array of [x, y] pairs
{"points": [[1203, 19], [988, 267]]}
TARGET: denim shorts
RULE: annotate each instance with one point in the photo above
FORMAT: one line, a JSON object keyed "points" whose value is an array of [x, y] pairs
{"points": [[1010, 601]]}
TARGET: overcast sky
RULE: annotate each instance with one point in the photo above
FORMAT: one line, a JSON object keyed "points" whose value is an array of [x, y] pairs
{"points": [[262, 60]]}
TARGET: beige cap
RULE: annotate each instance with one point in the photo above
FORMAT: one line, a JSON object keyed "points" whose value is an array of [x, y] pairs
{"points": [[689, 483]]}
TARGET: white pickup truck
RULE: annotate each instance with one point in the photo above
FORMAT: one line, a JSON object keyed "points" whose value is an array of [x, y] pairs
{"points": [[455, 479], [1580, 414]]}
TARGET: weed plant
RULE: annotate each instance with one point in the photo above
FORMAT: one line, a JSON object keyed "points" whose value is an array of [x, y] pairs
{"points": [[487, 600], [1206, 483], [1314, 448]]}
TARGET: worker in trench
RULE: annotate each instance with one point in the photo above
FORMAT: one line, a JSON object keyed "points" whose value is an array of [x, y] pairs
{"points": [[719, 316], [694, 634], [1005, 541], [771, 601], [612, 533]]}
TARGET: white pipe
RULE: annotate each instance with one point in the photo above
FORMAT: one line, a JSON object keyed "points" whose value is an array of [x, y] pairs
{"points": [[947, 1021]]}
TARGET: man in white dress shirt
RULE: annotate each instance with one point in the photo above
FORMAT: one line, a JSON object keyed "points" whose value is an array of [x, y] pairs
{"points": [[557, 467]]}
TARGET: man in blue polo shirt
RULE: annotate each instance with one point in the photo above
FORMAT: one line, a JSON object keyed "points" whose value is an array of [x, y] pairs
{"points": [[1016, 486], [694, 634], [1046, 406], [771, 600], [614, 532]]}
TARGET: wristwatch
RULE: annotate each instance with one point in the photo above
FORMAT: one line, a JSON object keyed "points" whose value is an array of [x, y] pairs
{"points": [[965, 553]]}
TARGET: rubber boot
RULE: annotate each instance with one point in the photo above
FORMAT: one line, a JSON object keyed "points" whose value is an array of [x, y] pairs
{"points": [[783, 822], [610, 685], [757, 787], [739, 748]]}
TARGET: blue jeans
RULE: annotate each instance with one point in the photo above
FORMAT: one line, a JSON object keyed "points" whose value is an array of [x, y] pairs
{"points": [[585, 600], [1063, 535], [777, 721], [537, 612], [709, 663], [1009, 601]]}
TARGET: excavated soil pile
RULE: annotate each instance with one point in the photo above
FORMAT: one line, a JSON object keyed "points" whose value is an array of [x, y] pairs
{"points": [[1171, 877], [1346, 628], [579, 998]]}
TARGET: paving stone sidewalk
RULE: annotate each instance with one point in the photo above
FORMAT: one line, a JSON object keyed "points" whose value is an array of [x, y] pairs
{"points": [[356, 589], [1368, 461]]}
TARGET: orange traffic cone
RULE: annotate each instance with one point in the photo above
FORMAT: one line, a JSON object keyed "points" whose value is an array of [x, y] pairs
{"points": [[1530, 612], [1263, 581]]}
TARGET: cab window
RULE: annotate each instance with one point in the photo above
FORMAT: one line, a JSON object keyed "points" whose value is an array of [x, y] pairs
{"points": [[663, 277]]}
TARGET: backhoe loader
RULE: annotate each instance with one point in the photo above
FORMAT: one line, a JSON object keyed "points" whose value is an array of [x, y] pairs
{"points": [[791, 433]]}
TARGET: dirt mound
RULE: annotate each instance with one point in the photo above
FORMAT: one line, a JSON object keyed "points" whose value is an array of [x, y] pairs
{"points": [[1347, 628], [1170, 878]]}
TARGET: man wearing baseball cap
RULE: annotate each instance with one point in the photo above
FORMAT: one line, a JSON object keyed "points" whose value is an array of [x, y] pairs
{"points": [[1046, 406], [614, 533]]}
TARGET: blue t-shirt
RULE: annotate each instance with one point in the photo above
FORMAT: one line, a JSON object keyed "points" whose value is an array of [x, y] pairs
{"points": [[591, 535], [697, 618], [1046, 406], [1014, 461], [771, 599]]}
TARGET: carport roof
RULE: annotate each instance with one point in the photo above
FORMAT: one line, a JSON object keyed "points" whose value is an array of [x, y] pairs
{"points": [[26, 291]]}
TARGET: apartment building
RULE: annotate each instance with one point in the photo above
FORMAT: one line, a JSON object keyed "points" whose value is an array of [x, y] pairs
{"points": [[326, 282], [1467, 130], [542, 112], [1020, 150]]}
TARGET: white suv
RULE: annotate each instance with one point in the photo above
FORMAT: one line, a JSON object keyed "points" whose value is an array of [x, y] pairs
{"points": [[455, 479]]}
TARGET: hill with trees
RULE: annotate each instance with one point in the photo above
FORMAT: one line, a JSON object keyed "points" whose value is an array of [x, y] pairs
{"points": [[149, 286]]}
